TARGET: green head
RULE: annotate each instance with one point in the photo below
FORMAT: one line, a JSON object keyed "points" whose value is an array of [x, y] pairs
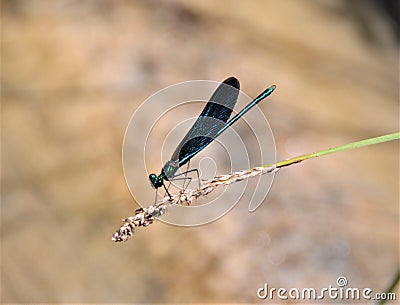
{"points": [[156, 181]]}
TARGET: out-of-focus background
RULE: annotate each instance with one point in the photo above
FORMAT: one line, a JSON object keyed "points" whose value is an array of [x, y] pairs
{"points": [[72, 74]]}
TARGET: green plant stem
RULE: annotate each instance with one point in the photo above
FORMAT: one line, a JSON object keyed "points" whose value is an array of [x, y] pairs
{"points": [[146, 216], [381, 139]]}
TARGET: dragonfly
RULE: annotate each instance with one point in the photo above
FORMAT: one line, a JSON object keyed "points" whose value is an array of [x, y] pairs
{"points": [[212, 122]]}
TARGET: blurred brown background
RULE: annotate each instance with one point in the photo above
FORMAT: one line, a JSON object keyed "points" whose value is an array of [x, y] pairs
{"points": [[72, 74]]}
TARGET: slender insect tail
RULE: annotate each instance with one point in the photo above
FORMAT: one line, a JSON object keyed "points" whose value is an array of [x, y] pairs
{"points": [[254, 102]]}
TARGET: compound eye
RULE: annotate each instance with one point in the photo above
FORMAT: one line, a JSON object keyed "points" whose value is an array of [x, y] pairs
{"points": [[153, 180]]}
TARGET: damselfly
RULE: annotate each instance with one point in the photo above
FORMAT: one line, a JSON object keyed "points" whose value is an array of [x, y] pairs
{"points": [[212, 122]]}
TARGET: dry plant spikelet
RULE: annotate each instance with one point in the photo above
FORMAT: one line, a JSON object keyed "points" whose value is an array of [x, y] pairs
{"points": [[146, 216]]}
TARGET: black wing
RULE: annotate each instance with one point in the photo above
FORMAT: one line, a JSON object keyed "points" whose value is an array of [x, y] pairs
{"points": [[213, 117]]}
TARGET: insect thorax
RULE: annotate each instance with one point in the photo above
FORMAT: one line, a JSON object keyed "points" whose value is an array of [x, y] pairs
{"points": [[169, 170]]}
